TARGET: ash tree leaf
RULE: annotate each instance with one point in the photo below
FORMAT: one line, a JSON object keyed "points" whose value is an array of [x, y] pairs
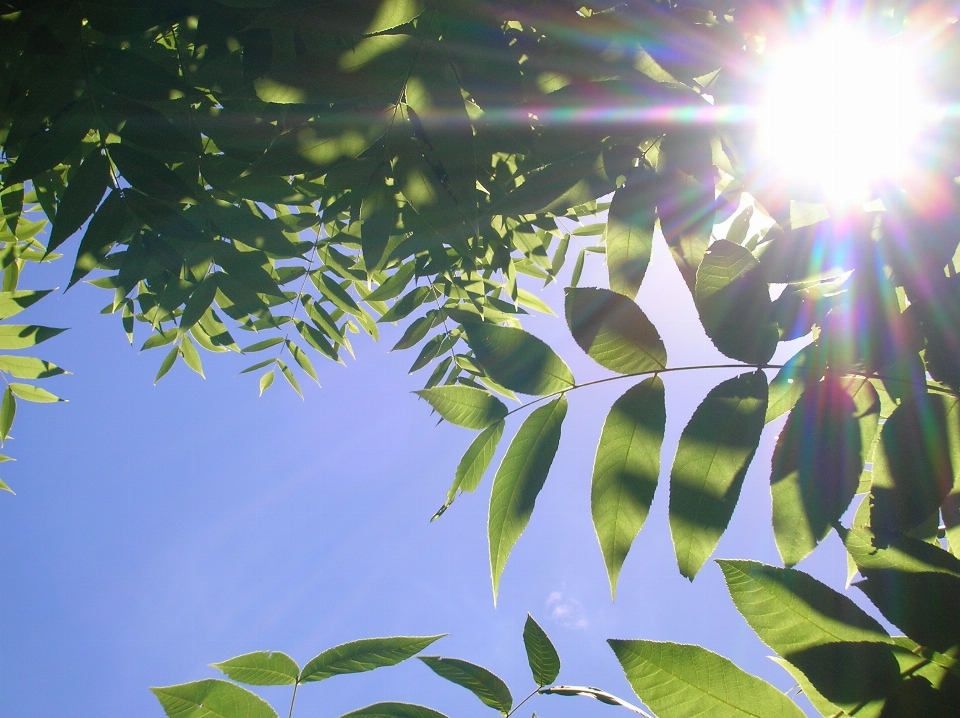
{"points": [[541, 655], [28, 367], [28, 392], [825, 707], [715, 450], [519, 479], [200, 300], [167, 363], [266, 381], [12, 303], [733, 300], [394, 710], [4, 487], [898, 552], [614, 331], [486, 686], [211, 698], [518, 360], [291, 379], [628, 234], [678, 681], [8, 410], [464, 405], [364, 655], [474, 463], [394, 284], [20, 336], [80, 200], [925, 606], [802, 369], [191, 357], [149, 175], [626, 470], [916, 462], [111, 224], [261, 668], [816, 468]]}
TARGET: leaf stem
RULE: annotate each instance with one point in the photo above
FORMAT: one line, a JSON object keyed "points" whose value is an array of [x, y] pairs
{"points": [[596, 694], [517, 707], [293, 699]]}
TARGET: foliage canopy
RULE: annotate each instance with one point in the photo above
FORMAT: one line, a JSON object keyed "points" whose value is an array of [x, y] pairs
{"points": [[306, 170]]}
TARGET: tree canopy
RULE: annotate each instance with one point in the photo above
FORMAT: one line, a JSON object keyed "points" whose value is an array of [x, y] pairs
{"points": [[306, 170]]}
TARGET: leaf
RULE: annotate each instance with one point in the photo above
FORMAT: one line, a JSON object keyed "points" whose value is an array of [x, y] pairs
{"points": [[8, 410], [266, 381], [291, 379], [28, 367], [517, 360], [541, 655], [825, 707], [733, 300], [190, 356], [364, 655], [264, 344], [84, 192], [715, 450], [464, 405], [167, 363], [791, 611], [261, 668], [4, 487], [211, 698], [519, 479], [629, 231], [486, 686], [149, 175], [19, 336], [897, 551], [679, 681], [916, 461], [614, 331], [393, 13], [199, 302], [302, 360], [111, 224], [12, 303], [816, 468], [28, 392], [802, 369], [626, 470], [474, 463], [394, 710], [394, 284], [578, 268]]}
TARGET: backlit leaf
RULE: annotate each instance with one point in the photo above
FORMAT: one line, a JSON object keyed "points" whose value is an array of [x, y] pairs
{"points": [[28, 367], [541, 655], [629, 231], [715, 450], [394, 710], [8, 410], [83, 194], [28, 392], [614, 331], [626, 470], [364, 655], [464, 405], [518, 360], [12, 303], [679, 681], [897, 551], [18, 336], [519, 479], [474, 463], [267, 379], [486, 686], [211, 699], [261, 668]]}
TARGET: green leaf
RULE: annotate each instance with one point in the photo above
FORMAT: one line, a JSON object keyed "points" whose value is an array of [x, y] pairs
{"points": [[111, 224], [167, 363], [8, 410], [4, 487], [81, 198], [393, 13], [264, 344], [474, 463], [464, 405], [825, 707], [816, 468], [802, 369], [149, 175], [211, 698], [897, 551], [394, 284], [28, 392], [199, 302], [303, 360], [517, 360], [159, 339], [19, 336], [791, 611], [266, 381], [28, 367], [394, 710], [407, 303], [486, 686], [261, 668], [541, 655], [519, 479], [578, 268], [614, 331], [715, 450], [190, 356], [626, 470], [364, 655], [12, 303], [679, 681], [291, 379], [915, 462], [629, 232], [733, 299]]}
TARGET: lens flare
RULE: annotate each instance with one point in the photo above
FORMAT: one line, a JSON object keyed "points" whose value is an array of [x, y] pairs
{"points": [[841, 111]]}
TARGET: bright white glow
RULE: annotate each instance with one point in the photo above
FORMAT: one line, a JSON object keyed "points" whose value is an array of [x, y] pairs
{"points": [[840, 111]]}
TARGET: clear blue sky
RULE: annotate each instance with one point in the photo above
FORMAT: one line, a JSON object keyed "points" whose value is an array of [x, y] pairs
{"points": [[158, 529]]}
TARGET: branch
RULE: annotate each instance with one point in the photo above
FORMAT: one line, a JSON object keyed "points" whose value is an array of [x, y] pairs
{"points": [[596, 694]]}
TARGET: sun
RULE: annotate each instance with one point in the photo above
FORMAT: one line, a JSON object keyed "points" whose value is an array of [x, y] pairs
{"points": [[841, 111]]}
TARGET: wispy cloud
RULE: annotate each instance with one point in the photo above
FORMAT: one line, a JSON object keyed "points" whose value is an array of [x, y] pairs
{"points": [[566, 611]]}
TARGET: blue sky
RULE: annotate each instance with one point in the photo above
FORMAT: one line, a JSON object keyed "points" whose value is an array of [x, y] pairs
{"points": [[157, 529]]}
